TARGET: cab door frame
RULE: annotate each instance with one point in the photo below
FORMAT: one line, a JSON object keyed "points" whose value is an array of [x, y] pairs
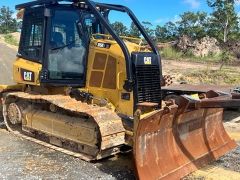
{"points": [[44, 74]]}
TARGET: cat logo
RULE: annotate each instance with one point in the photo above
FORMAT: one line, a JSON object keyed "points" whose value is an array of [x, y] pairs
{"points": [[27, 75], [103, 45], [148, 60]]}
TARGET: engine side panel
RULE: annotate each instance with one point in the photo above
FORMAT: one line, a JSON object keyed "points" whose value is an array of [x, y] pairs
{"points": [[26, 72], [106, 75]]}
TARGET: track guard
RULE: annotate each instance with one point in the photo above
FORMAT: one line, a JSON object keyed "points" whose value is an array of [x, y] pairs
{"points": [[173, 142]]}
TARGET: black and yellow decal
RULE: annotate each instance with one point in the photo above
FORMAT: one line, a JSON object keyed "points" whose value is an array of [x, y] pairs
{"points": [[147, 60], [27, 75], [103, 45]]}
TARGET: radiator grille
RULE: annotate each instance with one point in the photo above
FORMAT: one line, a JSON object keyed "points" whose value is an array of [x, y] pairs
{"points": [[148, 83]]}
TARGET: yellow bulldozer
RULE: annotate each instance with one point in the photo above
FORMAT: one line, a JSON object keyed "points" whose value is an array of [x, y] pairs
{"points": [[86, 91]]}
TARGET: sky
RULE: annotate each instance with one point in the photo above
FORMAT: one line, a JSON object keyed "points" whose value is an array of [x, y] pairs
{"points": [[158, 12]]}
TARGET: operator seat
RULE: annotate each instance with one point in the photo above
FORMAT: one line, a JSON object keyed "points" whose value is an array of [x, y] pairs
{"points": [[57, 40]]}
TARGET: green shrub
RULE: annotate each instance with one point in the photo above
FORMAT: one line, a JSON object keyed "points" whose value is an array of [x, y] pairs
{"points": [[189, 54], [171, 53], [8, 38], [226, 58], [223, 58]]}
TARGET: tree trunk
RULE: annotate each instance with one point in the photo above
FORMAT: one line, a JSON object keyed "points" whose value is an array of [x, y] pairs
{"points": [[225, 31]]}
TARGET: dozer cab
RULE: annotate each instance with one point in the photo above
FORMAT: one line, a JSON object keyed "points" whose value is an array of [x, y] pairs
{"points": [[86, 91]]}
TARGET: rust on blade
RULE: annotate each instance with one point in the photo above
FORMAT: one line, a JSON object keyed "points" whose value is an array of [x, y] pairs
{"points": [[173, 142]]}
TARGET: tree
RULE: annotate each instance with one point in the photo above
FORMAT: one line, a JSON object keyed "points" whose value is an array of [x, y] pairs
{"points": [[7, 23], [148, 27], [120, 28], [166, 33], [134, 32], [161, 33], [193, 24], [224, 21]]}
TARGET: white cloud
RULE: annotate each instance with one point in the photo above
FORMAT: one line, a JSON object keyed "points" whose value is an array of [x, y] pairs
{"points": [[160, 20], [237, 2], [193, 3], [165, 20]]}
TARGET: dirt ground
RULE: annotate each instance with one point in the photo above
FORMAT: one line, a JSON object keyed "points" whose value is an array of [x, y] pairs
{"points": [[21, 159], [202, 73]]}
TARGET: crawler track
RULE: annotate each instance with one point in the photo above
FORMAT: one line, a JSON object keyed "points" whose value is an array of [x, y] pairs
{"points": [[110, 125]]}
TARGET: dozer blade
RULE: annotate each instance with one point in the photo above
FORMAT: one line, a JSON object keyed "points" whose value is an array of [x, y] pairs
{"points": [[173, 142]]}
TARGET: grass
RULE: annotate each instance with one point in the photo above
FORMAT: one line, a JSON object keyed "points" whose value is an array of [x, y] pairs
{"points": [[207, 59], [171, 53], [8, 38], [226, 76]]}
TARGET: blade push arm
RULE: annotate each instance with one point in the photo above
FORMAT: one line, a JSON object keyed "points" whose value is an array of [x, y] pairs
{"points": [[215, 100]]}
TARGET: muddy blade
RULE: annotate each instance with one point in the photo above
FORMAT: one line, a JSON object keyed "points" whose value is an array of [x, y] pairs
{"points": [[170, 146]]}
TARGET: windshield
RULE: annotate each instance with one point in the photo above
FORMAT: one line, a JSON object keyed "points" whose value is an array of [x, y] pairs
{"points": [[67, 48]]}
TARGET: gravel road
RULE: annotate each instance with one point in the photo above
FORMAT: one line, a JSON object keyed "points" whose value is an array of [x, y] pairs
{"points": [[7, 57], [21, 159]]}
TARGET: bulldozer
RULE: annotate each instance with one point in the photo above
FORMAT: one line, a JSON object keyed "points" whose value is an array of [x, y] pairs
{"points": [[86, 91]]}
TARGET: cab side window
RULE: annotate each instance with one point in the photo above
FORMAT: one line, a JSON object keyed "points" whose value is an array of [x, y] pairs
{"points": [[32, 36], [92, 24]]}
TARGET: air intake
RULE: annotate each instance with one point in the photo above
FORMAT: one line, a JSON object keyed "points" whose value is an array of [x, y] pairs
{"points": [[147, 77]]}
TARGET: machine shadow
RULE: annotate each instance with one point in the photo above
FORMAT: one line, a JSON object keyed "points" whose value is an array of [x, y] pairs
{"points": [[231, 114], [120, 166]]}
